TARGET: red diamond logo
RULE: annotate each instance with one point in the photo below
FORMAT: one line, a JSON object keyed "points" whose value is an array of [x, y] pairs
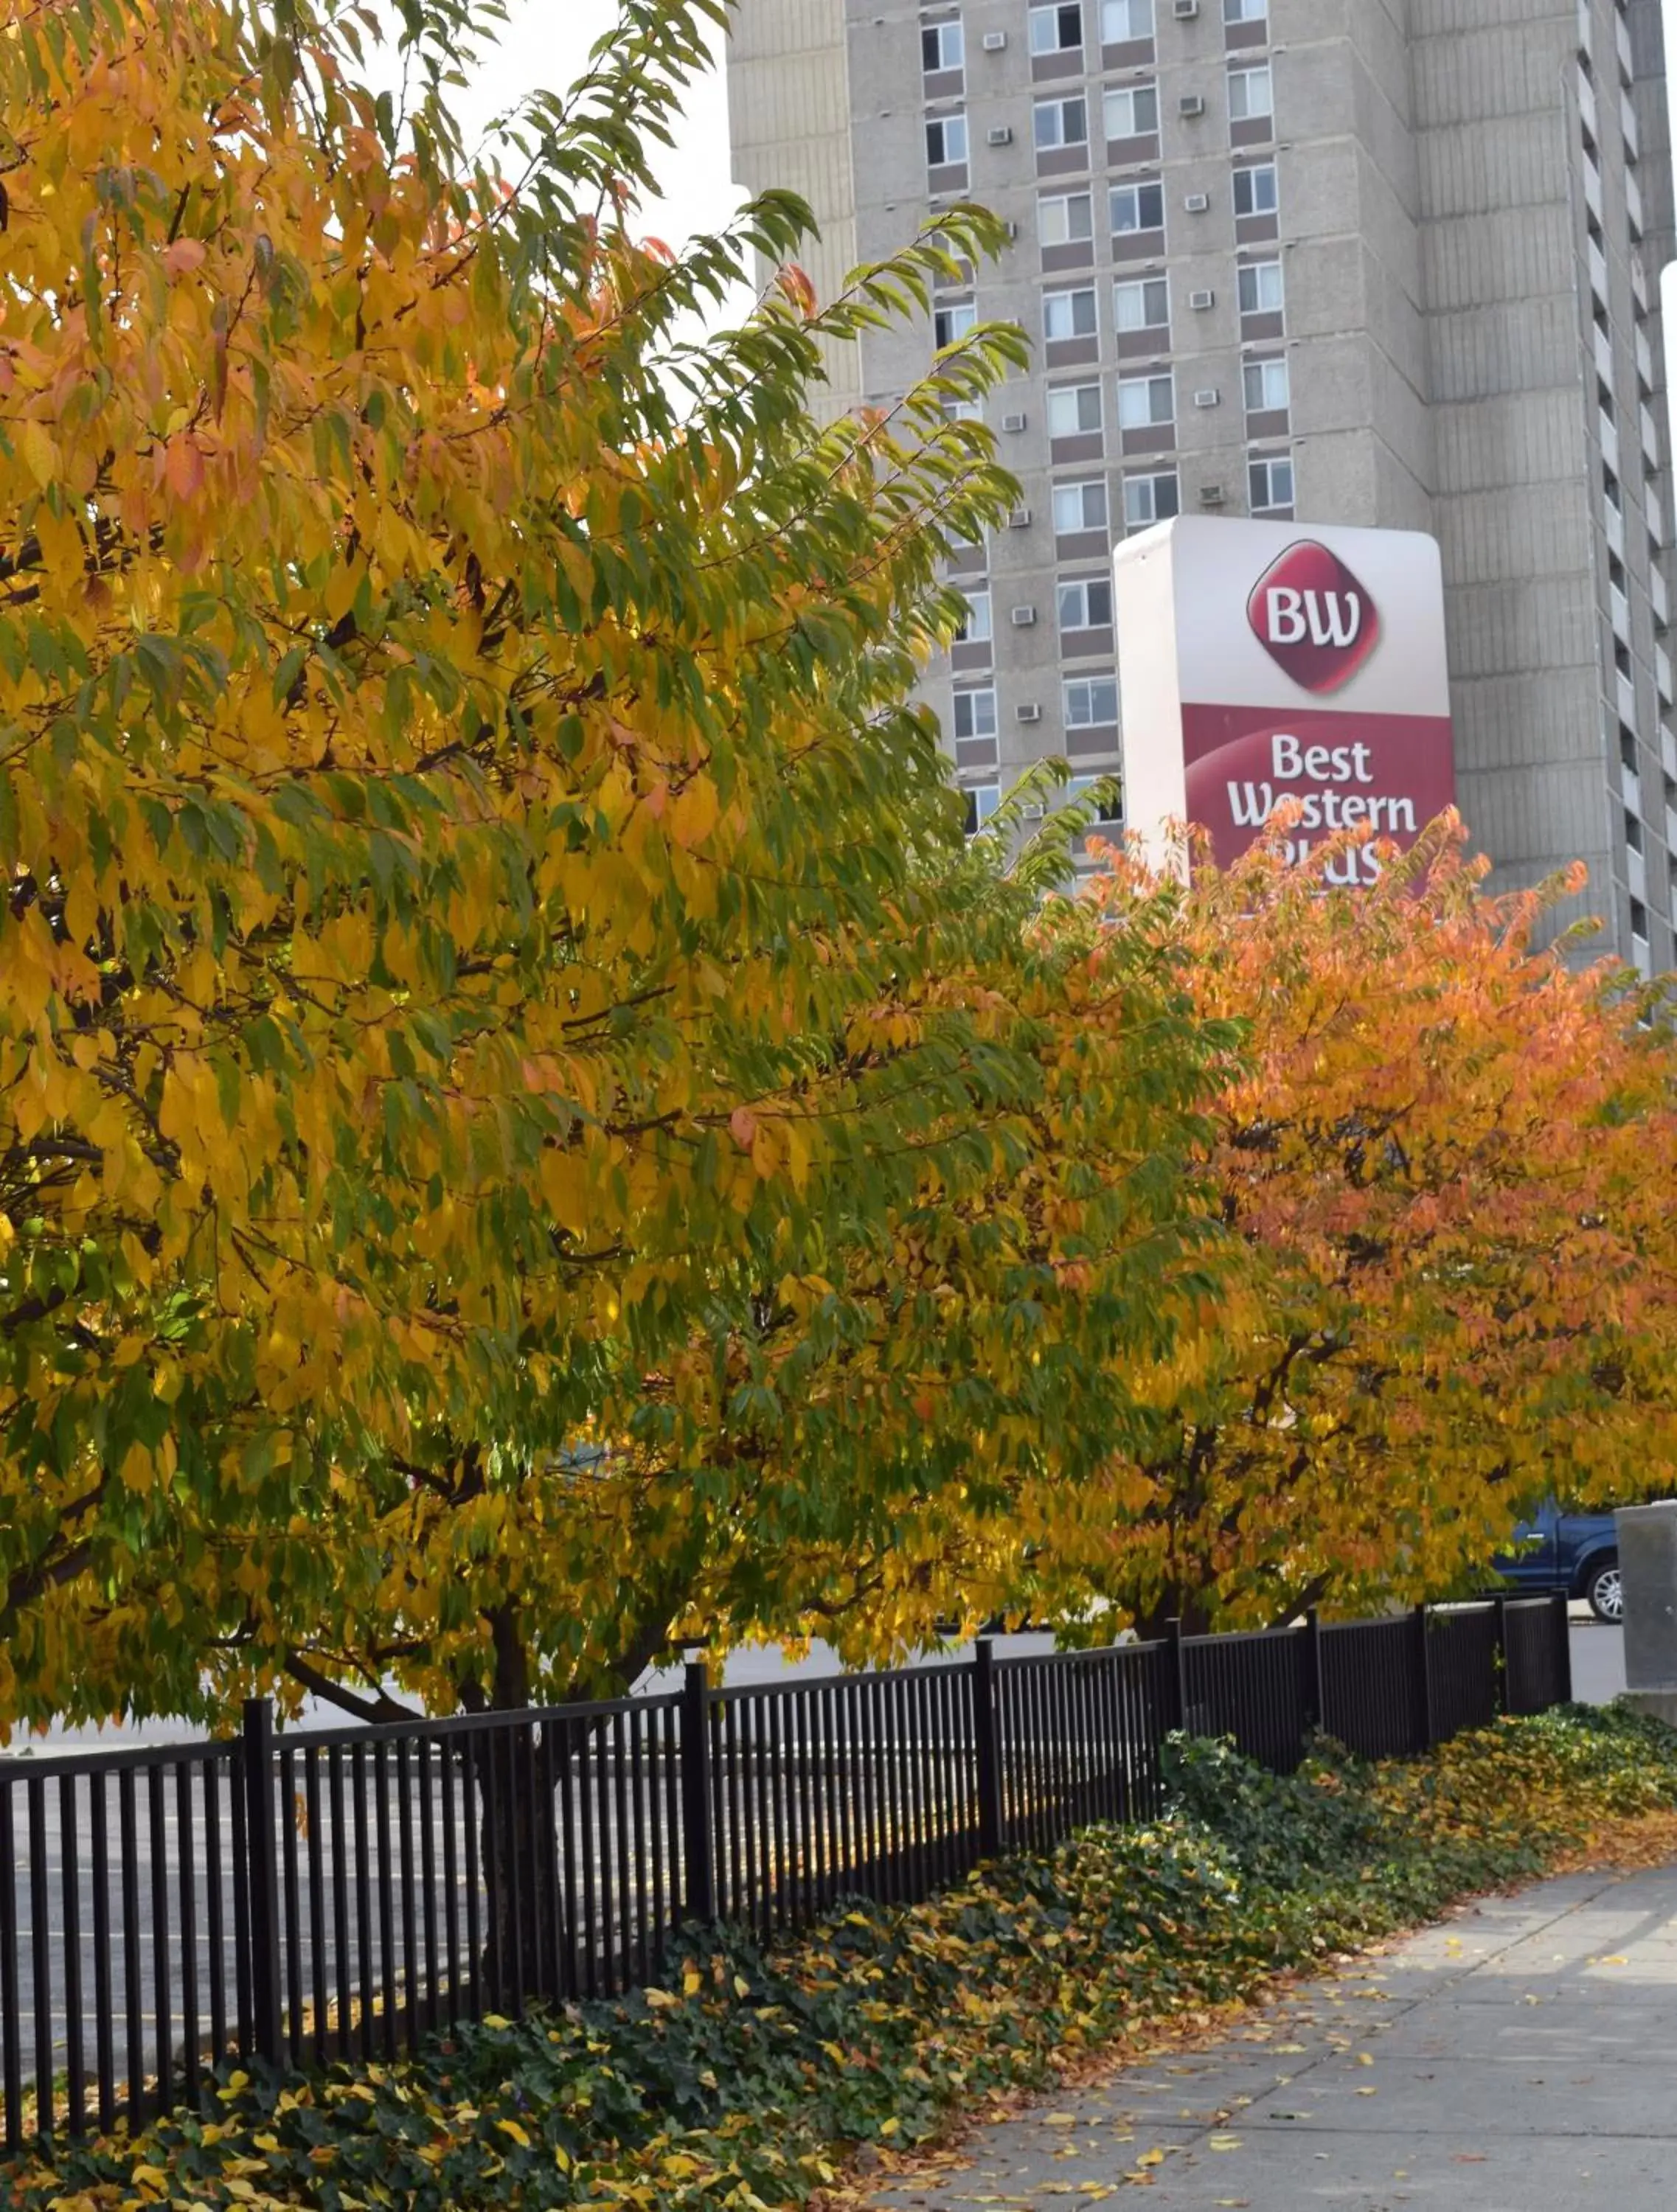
{"points": [[1312, 616]]}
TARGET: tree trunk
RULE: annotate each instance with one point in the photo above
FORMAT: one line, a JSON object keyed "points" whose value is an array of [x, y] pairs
{"points": [[513, 1768]]}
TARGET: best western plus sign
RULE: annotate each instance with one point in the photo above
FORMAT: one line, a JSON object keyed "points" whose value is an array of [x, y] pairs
{"points": [[1260, 663]]}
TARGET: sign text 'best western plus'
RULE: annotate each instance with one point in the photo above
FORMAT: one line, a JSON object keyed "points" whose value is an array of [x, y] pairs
{"points": [[1260, 662]]}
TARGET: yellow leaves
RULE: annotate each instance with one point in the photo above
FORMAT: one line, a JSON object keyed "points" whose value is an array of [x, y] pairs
{"points": [[693, 815], [568, 1180], [41, 454]]}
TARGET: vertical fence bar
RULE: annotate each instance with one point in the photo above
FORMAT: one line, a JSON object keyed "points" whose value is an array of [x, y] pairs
{"points": [[1316, 1687], [264, 1879], [451, 1899], [1175, 1717], [320, 1984], [215, 1908], [575, 1840], [470, 1804], [41, 1940], [161, 1975], [428, 1876], [70, 1851], [1501, 1605], [190, 2080], [697, 1840], [1563, 1633], [342, 1962], [104, 2004], [410, 1913], [10, 2009], [292, 1947], [1422, 1679], [134, 1995], [385, 1987], [987, 1747]]}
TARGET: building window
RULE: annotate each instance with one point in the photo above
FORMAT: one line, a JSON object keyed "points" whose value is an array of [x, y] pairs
{"points": [[1137, 207], [942, 46], [982, 800], [1268, 387], [1080, 506], [1639, 921], [963, 411], [1123, 21], [1132, 112], [976, 629], [1250, 98], [1061, 123], [1256, 191], [1074, 410], [1245, 11], [1069, 314], [1142, 303], [1260, 288], [1065, 219], [1057, 29], [1109, 810], [945, 141], [1145, 402], [1269, 482], [951, 325], [1091, 702], [976, 713], [1087, 604], [1150, 498]]}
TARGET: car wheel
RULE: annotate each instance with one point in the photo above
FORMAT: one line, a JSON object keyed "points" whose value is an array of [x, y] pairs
{"points": [[1606, 1592]]}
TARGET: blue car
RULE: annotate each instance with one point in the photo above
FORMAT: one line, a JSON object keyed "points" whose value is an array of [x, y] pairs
{"points": [[1575, 1552]]}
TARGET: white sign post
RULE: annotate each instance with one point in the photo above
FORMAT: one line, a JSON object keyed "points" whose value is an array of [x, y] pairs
{"points": [[1263, 661]]}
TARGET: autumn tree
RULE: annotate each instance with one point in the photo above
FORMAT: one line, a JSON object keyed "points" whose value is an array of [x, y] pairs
{"points": [[459, 808], [1447, 1156], [880, 1414]]}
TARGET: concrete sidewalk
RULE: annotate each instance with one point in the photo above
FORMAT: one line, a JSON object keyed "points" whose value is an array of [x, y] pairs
{"points": [[1516, 2058]]}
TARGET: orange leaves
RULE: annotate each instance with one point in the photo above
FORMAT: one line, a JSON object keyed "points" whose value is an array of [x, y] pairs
{"points": [[1440, 1157], [794, 284], [179, 467]]}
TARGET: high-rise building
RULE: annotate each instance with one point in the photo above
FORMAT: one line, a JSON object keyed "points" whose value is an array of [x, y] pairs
{"points": [[1382, 262]]}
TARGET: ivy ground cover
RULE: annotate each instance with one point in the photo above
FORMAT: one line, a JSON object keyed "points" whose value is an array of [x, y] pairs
{"points": [[750, 2080]]}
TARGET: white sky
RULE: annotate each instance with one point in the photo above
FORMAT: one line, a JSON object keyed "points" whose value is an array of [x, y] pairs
{"points": [[546, 48]]}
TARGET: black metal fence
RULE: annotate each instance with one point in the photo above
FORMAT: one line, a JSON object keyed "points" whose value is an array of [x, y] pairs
{"points": [[297, 1899]]}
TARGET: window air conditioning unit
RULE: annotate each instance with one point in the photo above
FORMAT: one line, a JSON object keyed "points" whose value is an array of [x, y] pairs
{"points": [[1030, 813], [1201, 301], [1024, 617], [1013, 421], [995, 41], [1211, 495], [999, 134], [1019, 518], [1197, 203], [1027, 713], [1208, 399], [1191, 103], [1186, 11]]}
